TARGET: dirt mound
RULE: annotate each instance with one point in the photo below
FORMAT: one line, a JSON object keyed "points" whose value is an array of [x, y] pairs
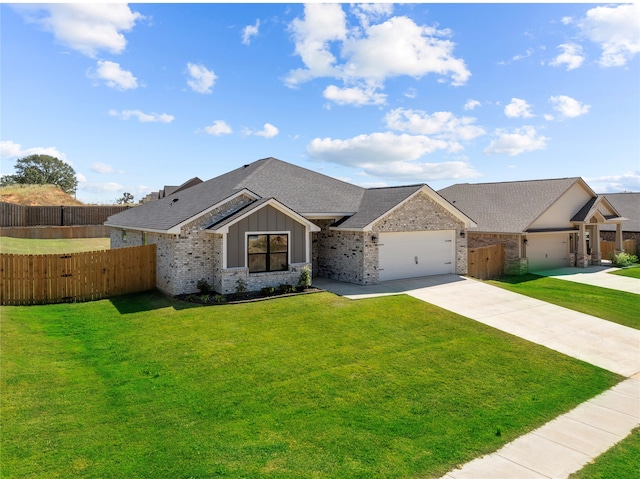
{"points": [[37, 195]]}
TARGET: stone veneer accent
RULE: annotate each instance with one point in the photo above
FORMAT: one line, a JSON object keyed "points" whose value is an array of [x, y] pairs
{"points": [[353, 256]]}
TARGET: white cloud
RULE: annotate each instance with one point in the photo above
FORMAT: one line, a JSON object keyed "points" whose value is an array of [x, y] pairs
{"points": [[518, 109], [566, 20], [629, 181], [376, 148], [250, 31], [370, 53], [441, 124], [114, 76], [571, 56], [143, 117], [370, 12], [568, 107], [322, 23], [103, 168], [354, 96], [10, 150], [268, 131], [472, 104], [81, 178], [390, 156], [84, 27], [202, 79], [218, 128], [616, 29], [400, 47], [519, 141]]}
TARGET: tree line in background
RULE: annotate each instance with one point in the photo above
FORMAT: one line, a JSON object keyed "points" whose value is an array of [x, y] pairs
{"points": [[49, 170]]}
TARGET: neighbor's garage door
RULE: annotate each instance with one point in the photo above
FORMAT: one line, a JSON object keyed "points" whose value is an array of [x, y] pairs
{"points": [[547, 251], [421, 253]]}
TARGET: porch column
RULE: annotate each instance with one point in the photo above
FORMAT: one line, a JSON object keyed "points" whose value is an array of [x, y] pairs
{"points": [[618, 237], [582, 259], [596, 256]]}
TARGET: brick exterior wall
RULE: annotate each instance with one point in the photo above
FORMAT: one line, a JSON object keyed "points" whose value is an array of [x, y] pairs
{"points": [[353, 257], [184, 259], [421, 213]]}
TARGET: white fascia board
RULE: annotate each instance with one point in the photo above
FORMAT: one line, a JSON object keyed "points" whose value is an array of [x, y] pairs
{"points": [[137, 228], [275, 204], [245, 192], [328, 216]]}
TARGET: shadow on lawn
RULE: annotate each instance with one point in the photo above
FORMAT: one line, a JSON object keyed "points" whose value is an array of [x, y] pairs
{"points": [[525, 278], [148, 301]]}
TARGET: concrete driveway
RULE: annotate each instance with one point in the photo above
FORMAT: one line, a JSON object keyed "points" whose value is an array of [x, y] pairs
{"points": [[608, 345]]}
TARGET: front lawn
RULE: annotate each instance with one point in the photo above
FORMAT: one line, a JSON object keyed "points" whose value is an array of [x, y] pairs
{"points": [[622, 461], [632, 272], [51, 246], [617, 306], [312, 386]]}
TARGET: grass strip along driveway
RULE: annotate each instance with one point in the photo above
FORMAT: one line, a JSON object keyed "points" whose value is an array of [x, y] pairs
{"points": [[310, 386], [616, 306]]}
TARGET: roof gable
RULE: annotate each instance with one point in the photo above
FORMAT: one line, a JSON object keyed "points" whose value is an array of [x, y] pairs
{"points": [[508, 207], [224, 225], [379, 202]]}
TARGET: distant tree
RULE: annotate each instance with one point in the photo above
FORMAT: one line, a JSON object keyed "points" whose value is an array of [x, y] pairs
{"points": [[125, 199], [43, 170]]}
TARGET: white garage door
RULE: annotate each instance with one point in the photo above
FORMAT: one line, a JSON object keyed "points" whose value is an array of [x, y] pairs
{"points": [[414, 254], [547, 251]]}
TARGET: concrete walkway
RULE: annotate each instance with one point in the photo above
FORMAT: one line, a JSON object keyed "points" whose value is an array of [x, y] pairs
{"points": [[595, 276], [567, 443]]}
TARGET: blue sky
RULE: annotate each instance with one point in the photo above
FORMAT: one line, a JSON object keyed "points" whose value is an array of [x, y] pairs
{"points": [[144, 95]]}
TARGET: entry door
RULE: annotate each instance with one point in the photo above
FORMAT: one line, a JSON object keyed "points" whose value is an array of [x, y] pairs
{"points": [[415, 254]]}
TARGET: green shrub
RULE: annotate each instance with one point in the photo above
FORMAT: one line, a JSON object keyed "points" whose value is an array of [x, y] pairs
{"points": [[624, 259], [286, 288], [268, 290], [203, 286], [305, 278], [241, 288]]}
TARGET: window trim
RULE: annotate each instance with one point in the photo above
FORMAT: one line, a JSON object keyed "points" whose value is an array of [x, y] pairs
{"points": [[274, 233]]}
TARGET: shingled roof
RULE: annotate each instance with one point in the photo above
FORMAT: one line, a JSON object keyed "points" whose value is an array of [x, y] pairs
{"points": [[628, 205], [305, 191], [508, 207]]}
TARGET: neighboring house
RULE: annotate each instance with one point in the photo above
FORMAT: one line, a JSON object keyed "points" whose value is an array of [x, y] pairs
{"points": [[169, 190], [264, 222], [543, 224], [628, 205]]}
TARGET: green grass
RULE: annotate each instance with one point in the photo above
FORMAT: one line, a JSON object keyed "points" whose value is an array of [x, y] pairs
{"points": [[312, 386], [620, 462], [633, 272], [617, 306], [51, 246]]}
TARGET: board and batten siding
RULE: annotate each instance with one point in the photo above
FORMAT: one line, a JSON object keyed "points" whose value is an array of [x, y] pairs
{"points": [[265, 220]]}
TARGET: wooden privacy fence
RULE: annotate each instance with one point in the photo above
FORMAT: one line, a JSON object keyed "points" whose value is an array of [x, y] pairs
{"points": [[607, 248], [55, 278], [56, 232], [20, 215], [486, 262]]}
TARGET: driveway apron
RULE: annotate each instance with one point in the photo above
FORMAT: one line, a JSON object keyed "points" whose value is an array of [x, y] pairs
{"points": [[567, 443]]}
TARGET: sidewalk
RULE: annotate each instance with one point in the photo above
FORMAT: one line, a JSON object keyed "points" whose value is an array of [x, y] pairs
{"points": [[566, 444], [595, 276], [570, 441]]}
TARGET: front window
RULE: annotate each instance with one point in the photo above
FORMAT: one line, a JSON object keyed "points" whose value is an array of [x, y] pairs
{"points": [[268, 252]]}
